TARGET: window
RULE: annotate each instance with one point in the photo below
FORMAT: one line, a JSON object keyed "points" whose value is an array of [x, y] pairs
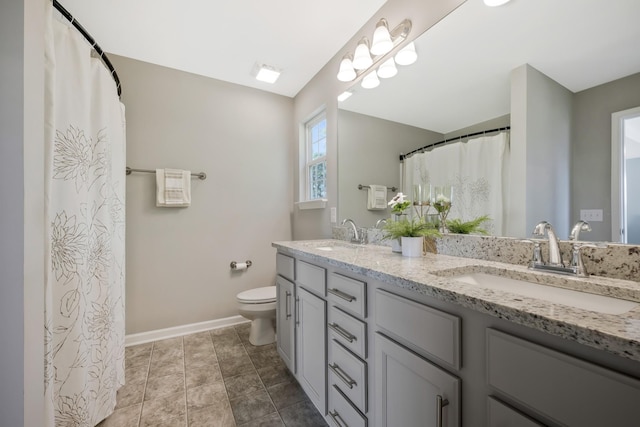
{"points": [[316, 157]]}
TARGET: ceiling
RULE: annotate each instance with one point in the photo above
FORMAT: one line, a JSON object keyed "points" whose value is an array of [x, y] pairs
{"points": [[464, 62], [225, 39]]}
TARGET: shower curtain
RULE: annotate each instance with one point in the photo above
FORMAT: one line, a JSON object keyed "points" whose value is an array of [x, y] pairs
{"points": [[85, 208], [477, 170]]}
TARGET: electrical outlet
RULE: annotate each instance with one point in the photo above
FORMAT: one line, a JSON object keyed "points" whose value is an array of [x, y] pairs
{"points": [[334, 215], [591, 215]]}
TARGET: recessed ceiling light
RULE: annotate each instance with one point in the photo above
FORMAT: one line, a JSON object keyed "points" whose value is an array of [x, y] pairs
{"points": [[344, 95], [267, 73], [494, 3]]}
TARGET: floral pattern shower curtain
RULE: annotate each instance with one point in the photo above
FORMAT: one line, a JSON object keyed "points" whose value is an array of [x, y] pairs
{"points": [[85, 202], [477, 170]]}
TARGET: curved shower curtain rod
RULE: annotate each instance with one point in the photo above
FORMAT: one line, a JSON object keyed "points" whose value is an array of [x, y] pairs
{"points": [[92, 42]]}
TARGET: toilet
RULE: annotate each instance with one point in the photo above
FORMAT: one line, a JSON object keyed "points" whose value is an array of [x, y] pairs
{"points": [[259, 306]]}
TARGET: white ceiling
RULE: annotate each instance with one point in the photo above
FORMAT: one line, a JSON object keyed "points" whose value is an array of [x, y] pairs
{"points": [[224, 39], [462, 73]]}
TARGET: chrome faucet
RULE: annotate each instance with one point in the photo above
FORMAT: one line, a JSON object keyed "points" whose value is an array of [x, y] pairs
{"points": [[381, 223], [576, 254], [555, 258], [356, 235]]}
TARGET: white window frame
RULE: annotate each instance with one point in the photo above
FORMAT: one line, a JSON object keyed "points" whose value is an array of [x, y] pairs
{"points": [[307, 202]]}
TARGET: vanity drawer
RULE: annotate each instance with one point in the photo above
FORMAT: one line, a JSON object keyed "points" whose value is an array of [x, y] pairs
{"points": [[342, 413], [501, 415], [312, 277], [285, 266], [348, 331], [420, 327], [348, 293], [349, 374], [560, 387]]}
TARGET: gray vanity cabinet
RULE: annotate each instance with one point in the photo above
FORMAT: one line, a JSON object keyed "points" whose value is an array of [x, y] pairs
{"points": [[311, 345], [285, 322], [285, 310], [412, 392]]}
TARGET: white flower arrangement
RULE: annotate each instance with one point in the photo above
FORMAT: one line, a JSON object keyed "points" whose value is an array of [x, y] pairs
{"points": [[399, 203]]}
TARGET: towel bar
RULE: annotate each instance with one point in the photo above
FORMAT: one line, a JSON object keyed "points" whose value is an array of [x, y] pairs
{"points": [[200, 175], [360, 187]]}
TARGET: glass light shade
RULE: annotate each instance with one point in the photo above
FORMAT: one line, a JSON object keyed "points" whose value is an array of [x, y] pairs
{"points": [[407, 55], [362, 58], [381, 39], [387, 69], [370, 81], [494, 3], [346, 72]]}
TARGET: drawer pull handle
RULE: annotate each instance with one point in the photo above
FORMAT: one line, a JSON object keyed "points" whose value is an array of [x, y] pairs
{"points": [[343, 333], [340, 294], [288, 304], [335, 416], [440, 403], [342, 375]]}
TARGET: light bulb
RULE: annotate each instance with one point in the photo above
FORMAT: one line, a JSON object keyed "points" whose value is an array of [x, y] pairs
{"points": [[494, 3], [346, 72], [387, 69], [370, 81], [381, 43], [362, 58], [407, 55]]}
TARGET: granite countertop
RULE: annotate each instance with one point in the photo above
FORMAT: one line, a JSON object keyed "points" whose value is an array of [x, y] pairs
{"points": [[431, 276]]}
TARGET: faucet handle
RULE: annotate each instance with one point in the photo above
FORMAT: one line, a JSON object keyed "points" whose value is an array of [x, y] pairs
{"points": [[576, 257], [536, 258]]}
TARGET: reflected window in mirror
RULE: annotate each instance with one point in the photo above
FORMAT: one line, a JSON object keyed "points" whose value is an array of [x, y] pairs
{"points": [[316, 157]]}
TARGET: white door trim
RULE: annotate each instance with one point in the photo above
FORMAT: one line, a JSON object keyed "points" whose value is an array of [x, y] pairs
{"points": [[617, 172]]}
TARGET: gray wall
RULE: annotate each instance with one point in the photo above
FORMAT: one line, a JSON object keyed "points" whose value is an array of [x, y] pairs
{"points": [[368, 153], [22, 218], [178, 258], [540, 148], [591, 147]]}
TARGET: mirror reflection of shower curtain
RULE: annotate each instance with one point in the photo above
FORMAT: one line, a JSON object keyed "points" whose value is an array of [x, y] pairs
{"points": [[85, 208], [477, 170]]}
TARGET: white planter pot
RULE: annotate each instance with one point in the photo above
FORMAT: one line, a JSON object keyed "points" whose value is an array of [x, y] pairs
{"points": [[396, 246], [412, 246]]}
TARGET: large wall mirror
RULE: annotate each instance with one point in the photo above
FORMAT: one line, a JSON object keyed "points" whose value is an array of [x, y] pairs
{"points": [[553, 71]]}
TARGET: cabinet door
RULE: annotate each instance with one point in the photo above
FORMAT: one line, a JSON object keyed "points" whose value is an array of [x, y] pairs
{"points": [[312, 347], [285, 325], [412, 392]]}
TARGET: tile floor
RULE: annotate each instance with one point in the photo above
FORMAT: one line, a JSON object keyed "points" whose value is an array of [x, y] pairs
{"points": [[214, 378]]}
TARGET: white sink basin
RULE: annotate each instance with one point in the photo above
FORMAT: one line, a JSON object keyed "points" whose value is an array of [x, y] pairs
{"points": [[582, 300]]}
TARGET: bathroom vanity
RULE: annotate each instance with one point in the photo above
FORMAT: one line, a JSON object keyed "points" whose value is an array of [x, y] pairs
{"points": [[376, 339]]}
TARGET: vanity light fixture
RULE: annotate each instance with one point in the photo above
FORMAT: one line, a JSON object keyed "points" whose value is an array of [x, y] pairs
{"points": [[370, 81], [384, 40], [387, 69], [267, 73], [346, 72], [494, 3], [407, 55], [362, 58]]}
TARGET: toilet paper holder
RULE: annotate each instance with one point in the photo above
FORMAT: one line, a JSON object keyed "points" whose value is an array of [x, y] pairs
{"points": [[238, 265]]}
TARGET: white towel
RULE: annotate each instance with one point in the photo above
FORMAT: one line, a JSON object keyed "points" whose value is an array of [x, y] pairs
{"points": [[173, 188], [377, 197]]}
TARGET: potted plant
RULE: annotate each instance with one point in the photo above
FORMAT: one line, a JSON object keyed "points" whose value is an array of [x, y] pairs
{"points": [[468, 227], [412, 233]]}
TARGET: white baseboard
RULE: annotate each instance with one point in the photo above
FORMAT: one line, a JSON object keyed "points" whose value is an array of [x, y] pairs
{"points": [[177, 331]]}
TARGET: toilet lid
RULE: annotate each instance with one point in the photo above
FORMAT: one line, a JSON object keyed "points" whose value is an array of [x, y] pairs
{"points": [[258, 295]]}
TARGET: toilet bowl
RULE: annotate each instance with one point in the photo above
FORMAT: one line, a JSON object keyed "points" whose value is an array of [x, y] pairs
{"points": [[259, 306]]}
